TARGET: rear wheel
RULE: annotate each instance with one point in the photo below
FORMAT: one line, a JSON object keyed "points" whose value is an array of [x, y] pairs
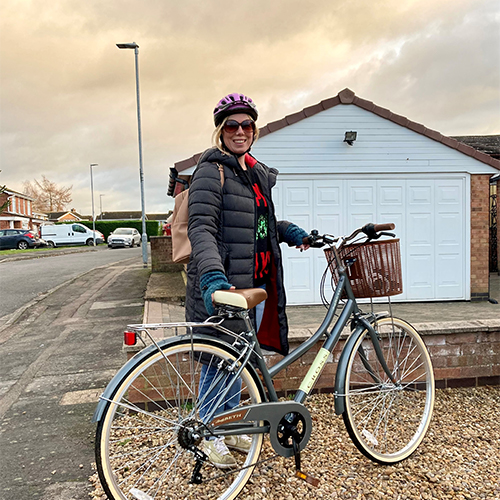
{"points": [[22, 245], [144, 442], [90, 242], [388, 419]]}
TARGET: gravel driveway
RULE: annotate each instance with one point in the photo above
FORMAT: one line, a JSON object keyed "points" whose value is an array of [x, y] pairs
{"points": [[459, 458]]}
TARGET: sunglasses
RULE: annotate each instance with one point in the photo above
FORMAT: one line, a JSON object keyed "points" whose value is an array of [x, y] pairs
{"points": [[232, 126]]}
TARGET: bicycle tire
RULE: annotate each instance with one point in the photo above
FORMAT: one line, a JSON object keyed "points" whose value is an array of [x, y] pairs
{"points": [[138, 436], [387, 420]]}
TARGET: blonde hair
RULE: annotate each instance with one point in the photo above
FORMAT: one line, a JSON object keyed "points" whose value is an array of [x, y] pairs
{"points": [[217, 135]]}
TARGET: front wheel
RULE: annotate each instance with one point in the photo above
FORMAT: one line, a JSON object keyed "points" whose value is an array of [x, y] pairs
{"points": [[388, 417], [145, 442]]}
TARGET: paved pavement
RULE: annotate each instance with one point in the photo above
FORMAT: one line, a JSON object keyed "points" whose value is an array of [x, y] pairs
{"points": [[56, 358]]}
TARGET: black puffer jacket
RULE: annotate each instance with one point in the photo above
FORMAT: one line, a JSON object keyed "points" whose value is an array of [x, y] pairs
{"points": [[222, 233]]}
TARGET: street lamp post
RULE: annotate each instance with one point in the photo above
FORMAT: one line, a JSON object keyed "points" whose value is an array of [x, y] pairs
{"points": [[92, 193], [134, 46], [100, 203]]}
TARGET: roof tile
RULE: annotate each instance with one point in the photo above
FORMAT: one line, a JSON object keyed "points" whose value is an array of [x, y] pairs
{"points": [[331, 102], [295, 117], [312, 110], [273, 126], [416, 127], [433, 134], [365, 104], [346, 96], [264, 131], [400, 119]]}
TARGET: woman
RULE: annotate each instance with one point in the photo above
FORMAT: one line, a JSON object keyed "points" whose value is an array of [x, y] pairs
{"points": [[235, 240]]}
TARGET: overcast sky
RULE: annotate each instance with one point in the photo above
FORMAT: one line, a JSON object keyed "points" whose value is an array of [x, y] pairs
{"points": [[67, 93]]}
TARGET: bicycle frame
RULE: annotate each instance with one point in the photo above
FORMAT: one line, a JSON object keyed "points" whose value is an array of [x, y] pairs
{"points": [[232, 421], [360, 323]]}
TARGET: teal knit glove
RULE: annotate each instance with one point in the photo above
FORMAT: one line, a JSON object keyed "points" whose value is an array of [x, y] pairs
{"points": [[294, 235], [209, 283]]}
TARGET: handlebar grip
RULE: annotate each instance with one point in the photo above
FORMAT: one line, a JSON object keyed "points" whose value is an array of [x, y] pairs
{"points": [[384, 227]]}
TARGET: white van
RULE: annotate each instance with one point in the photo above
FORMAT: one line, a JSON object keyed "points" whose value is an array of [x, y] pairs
{"points": [[69, 234]]}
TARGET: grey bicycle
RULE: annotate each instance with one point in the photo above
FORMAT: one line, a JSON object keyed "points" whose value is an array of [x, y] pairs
{"points": [[149, 441]]}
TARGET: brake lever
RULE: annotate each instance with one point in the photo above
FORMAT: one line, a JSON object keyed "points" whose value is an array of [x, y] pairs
{"points": [[383, 233], [314, 239]]}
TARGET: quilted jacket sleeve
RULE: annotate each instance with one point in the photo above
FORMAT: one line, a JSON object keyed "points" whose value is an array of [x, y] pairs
{"points": [[205, 208]]}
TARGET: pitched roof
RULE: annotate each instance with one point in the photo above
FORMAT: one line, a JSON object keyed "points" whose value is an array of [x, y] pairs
{"points": [[489, 144], [130, 215], [17, 193], [58, 215], [347, 96]]}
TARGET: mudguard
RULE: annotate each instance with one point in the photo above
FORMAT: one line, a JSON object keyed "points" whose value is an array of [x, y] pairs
{"points": [[148, 351], [342, 369]]}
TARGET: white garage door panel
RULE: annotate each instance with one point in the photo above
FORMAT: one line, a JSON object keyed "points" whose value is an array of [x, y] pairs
{"points": [[449, 278], [300, 275], [328, 215], [430, 217], [420, 277], [450, 275], [297, 199]]}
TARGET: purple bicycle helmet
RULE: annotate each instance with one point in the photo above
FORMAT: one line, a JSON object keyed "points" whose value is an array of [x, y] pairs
{"points": [[233, 103]]}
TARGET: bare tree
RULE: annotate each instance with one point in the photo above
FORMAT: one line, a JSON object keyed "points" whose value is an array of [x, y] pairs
{"points": [[47, 196]]}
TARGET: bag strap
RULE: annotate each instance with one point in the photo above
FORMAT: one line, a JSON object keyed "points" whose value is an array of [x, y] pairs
{"points": [[221, 171]]}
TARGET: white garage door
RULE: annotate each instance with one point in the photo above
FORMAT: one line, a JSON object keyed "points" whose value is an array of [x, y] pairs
{"points": [[431, 221]]}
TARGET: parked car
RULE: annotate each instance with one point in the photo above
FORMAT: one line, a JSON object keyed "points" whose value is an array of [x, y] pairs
{"points": [[69, 234], [124, 237], [19, 238]]}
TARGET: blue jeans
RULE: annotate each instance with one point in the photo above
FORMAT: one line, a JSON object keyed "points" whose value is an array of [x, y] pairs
{"points": [[232, 399], [208, 374]]}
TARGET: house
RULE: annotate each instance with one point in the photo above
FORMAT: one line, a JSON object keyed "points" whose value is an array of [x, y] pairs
{"points": [[65, 216], [131, 215], [19, 212], [434, 188]]}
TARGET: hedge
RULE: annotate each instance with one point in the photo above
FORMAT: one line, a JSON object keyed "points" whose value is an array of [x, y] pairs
{"points": [[153, 227]]}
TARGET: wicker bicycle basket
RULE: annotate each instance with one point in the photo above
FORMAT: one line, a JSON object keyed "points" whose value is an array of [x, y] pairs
{"points": [[374, 270]]}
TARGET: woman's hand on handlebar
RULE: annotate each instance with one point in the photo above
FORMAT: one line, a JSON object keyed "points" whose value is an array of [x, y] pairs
{"points": [[305, 244]]}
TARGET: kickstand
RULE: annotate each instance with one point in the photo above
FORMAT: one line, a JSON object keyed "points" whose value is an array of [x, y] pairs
{"points": [[298, 473]]}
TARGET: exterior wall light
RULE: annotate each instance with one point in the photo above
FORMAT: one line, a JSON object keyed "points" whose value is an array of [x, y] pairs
{"points": [[350, 137]]}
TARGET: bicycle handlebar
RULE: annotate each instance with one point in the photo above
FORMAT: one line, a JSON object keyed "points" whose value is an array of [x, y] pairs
{"points": [[372, 231]]}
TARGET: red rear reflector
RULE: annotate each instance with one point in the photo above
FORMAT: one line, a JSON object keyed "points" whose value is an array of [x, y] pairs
{"points": [[129, 338]]}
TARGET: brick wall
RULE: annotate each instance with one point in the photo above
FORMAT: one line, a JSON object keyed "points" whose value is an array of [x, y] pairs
{"points": [[480, 236], [465, 357], [161, 255]]}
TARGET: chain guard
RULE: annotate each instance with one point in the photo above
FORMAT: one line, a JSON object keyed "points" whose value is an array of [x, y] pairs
{"points": [[288, 420]]}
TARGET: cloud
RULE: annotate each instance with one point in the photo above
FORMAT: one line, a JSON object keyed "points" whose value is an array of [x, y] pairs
{"points": [[67, 94]]}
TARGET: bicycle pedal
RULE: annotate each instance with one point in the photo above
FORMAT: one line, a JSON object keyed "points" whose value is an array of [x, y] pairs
{"points": [[307, 478]]}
